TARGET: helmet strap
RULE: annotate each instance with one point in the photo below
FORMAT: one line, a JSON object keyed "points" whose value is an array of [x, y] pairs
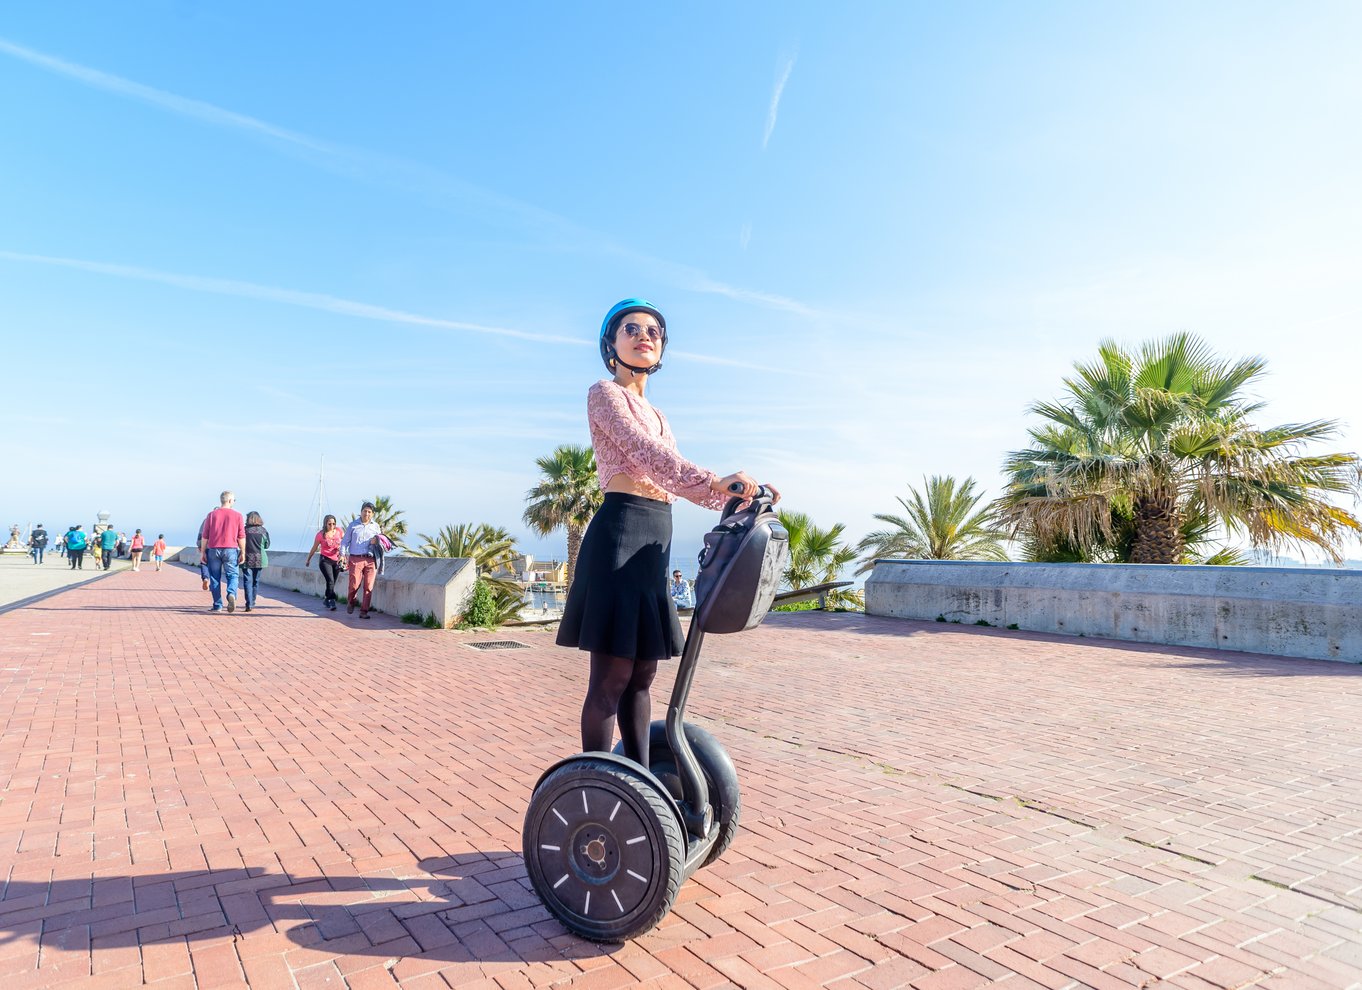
{"points": [[615, 357]]}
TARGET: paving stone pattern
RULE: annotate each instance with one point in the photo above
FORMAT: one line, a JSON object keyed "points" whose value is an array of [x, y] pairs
{"points": [[293, 798]]}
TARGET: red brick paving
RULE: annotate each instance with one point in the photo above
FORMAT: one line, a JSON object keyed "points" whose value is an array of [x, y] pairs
{"points": [[293, 798]]}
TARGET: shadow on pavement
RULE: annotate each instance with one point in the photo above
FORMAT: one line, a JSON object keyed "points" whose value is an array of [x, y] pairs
{"points": [[312, 911]]}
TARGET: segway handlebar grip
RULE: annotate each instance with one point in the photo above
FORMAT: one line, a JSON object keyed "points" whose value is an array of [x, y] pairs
{"points": [[762, 490]]}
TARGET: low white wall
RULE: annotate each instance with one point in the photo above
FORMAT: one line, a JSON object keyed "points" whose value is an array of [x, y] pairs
{"points": [[1285, 611], [439, 585]]}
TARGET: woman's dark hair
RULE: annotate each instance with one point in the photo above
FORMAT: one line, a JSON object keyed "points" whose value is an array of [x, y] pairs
{"points": [[328, 521], [160, 536], [253, 519], [134, 534]]}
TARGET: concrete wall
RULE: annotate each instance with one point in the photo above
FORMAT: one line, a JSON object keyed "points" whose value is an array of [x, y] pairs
{"points": [[441, 585], [1284, 611]]}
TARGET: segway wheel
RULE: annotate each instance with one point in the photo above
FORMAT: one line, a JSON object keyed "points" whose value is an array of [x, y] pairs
{"points": [[720, 775], [603, 849]]}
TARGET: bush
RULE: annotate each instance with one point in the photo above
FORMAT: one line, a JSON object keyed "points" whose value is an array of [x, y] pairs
{"points": [[482, 608], [413, 618], [431, 622], [796, 607]]}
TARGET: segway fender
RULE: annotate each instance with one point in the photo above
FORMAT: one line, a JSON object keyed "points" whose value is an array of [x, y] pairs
{"points": [[627, 764]]}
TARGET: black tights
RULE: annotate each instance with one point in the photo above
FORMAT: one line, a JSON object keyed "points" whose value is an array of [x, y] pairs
{"points": [[618, 685]]}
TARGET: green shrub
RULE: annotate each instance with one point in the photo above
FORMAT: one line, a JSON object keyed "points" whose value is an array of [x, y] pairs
{"points": [[431, 622], [481, 612], [412, 618], [808, 606]]}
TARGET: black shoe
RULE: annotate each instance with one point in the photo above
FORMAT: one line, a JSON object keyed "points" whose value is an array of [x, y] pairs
{"points": [[248, 608], [364, 615], [349, 609], [231, 603]]}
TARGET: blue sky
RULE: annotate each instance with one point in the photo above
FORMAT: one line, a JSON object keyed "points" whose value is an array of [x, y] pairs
{"points": [[236, 239]]}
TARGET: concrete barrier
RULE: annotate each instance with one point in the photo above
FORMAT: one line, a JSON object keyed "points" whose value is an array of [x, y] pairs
{"points": [[438, 585], [1306, 612]]}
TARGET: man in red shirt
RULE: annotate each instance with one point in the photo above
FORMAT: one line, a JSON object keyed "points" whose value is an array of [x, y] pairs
{"points": [[222, 542]]}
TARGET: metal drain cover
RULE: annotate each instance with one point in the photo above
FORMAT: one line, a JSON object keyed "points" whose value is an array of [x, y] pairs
{"points": [[497, 644]]}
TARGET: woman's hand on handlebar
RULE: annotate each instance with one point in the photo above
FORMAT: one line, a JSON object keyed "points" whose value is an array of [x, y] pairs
{"points": [[738, 483], [742, 484]]}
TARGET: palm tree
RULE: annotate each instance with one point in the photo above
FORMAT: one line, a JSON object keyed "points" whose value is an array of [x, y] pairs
{"points": [[566, 497], [389, 519], [491, 549], [816, 555], [1148, 445], [942, 524]]}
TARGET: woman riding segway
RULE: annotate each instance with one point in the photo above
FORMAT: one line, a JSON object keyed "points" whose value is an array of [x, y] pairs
{"points": [[618, 608], [610, 836]]}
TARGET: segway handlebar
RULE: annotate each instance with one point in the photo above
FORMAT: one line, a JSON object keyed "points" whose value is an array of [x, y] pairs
{"points": [[762, 490]]}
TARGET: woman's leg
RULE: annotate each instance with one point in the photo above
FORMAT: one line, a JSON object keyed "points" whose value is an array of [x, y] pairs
{"points": [[620, 686], [328, 567], [610, 677], [636, 711]]}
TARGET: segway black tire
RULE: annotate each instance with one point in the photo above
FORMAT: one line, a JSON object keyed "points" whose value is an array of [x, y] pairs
{"points": [[720, 775], [622, 818]]}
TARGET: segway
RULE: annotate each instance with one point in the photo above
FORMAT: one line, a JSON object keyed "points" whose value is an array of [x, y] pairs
{"points": [[608, 842]]}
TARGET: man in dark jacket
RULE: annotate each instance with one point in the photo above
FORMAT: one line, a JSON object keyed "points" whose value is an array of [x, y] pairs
{"points": [[37, 543]]}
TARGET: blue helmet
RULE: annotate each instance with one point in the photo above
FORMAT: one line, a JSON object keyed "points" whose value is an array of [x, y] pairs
{"points": [[608, 326]]}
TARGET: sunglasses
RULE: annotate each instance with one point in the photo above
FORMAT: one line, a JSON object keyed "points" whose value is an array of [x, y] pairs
{"points": [[635, 330]]}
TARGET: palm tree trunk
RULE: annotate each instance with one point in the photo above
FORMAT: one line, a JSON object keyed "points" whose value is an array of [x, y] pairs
{"points": [[574, 534], [1158, 531]]}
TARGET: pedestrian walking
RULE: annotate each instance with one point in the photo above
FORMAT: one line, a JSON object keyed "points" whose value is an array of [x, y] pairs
{"points": [[158, 550], [328, 544], [255, 559], [108, 540], [61, 546], [358, 551], [121, 547], [37, 543], [135, 547], [618, 609], [222, 542], [75, 547]]}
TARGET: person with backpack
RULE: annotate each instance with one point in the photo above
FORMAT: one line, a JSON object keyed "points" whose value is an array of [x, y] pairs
{"points": [[75, 547], [618, 608], [255, 559], [37, 543]]}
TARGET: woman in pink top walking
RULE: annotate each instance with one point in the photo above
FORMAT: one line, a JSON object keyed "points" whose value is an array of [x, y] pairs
{"points": [[618, 608], [135, 550], [328, 541]]}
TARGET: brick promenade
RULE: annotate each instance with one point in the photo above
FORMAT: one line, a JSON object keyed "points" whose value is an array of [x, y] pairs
{"points": [[293, 798]]}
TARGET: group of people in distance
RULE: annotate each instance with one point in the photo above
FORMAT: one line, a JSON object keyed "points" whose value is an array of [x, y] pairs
{"points": [[233, 550], [104, 546]]}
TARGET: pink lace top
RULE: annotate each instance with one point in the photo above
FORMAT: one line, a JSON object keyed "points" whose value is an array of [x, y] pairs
{"points": [[632, 437]]}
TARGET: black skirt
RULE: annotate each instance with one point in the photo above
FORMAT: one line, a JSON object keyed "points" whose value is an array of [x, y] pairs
{"points": [[618, 603]]}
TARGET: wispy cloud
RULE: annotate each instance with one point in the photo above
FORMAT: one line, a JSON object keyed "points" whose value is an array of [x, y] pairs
{"points": [[774, 109], [206, 112], [387, 170], [291, 297], [339, 306]]}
